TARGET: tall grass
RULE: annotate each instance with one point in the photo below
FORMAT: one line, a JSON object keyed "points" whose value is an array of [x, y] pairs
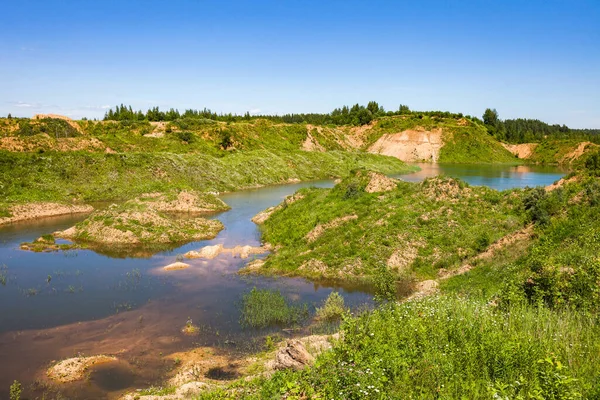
{"points": [[262, 308], [453, 348]]}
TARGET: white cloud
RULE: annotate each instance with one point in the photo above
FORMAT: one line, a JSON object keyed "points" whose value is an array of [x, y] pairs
{"points": [[255, 111]]}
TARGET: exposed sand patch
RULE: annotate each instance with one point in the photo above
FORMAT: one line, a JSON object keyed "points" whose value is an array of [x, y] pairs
{"points": [[523, 150], [176, 266], [321, 228], [262, 216], [410, 145], [45, 142], [445, 189], [23, 212], [577, 152], [56, 116], [210, 252], [559, 183], [380, 183], [357, 137], [74, 369], [310, 143], [402, 258]]}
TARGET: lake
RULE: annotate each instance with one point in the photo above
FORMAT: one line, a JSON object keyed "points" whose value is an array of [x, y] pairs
{"points": [[57, 305]]}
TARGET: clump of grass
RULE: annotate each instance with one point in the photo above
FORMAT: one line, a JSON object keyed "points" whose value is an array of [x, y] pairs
{"points": [[190, 328], [263, 307], [158, 391], [333, 308]]}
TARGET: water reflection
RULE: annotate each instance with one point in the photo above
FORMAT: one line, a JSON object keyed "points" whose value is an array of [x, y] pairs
{"points": [[499, 177]]}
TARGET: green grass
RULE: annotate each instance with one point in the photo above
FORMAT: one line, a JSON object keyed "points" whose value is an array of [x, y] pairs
{"points": [[262, 308], [555, 151], [433, 225], [93, 176]]}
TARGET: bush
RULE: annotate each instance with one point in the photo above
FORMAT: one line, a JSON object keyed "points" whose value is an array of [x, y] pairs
{"points": [[333, 308]]}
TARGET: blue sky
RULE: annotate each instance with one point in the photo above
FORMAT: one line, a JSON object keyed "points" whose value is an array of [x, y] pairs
{"points": [[534, 59]]}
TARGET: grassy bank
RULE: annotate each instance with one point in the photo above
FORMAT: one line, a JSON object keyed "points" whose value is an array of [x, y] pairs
{"points": [[88, 176], [522, 324], [346, 233]]}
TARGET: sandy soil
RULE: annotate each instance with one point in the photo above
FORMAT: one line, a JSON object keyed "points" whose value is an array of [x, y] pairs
{"points": [[186, 202], [176, 266], [23, 212], [262, 216], [560, 183], [410, 145], [577, 152], [210, 252], [524, 150], [64, 118], [380, 183], [74, 369], [321, 228]]}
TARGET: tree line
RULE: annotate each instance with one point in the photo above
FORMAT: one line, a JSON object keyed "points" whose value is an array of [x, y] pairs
{"points": [[346, 115], [522, 130]]}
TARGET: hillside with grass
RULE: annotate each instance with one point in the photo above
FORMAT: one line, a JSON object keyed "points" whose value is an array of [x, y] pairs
{"points": [[413, 229], [520, 323]]}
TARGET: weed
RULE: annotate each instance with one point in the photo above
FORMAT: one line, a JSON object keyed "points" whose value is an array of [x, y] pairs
{"points": [[333, 308], [263, 307], [15, 391]]}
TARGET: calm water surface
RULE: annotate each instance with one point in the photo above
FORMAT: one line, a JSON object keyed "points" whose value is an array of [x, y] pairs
{"points": [[56, 305]]}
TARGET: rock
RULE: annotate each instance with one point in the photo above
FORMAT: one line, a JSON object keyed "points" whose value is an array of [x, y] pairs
{"points": [[191, 389], [175, 266], [293, 356]]}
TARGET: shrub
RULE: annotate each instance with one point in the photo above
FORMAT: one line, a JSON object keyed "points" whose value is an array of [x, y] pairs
{"points": [[332, 309]]}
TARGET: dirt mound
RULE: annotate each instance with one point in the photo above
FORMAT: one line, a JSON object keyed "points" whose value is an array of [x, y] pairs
{"points": [[321, 228], [380, 183], [410, 145], [23, 212], [210, 252], [74, 369], [73, 124], [121, 226], [445, 189], [524, 150]]}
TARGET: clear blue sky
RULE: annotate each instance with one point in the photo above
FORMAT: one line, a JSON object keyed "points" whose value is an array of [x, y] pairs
{"points": [[534, 58]]}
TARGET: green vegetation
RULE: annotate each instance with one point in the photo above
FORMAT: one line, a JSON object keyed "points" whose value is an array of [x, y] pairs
{"points": [[333, 308], [15, 391], [449, 348], [93, 176], [346, 233], [263, 307], [523, 130]]}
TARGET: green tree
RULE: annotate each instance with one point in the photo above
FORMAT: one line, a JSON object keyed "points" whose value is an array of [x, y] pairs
{"points": [[490, 117]]}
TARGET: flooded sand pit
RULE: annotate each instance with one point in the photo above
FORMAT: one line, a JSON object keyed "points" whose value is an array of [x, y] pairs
{"points": [[58, 305]]}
